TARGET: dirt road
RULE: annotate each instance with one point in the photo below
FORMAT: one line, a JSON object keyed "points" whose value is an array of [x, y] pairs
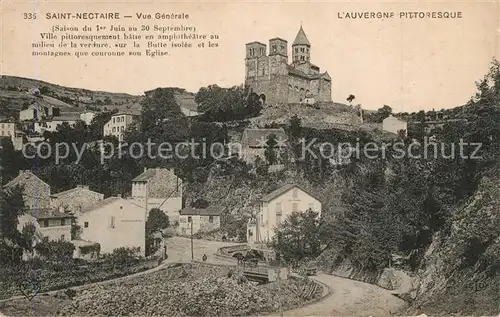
{"points": [[350, 298]]}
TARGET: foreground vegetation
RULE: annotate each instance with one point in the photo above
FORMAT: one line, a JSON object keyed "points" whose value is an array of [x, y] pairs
{"points": [[187, 290]]}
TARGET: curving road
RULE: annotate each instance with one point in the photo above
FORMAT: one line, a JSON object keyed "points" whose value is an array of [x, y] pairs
{"points": [[349, 298], [346, 298]]}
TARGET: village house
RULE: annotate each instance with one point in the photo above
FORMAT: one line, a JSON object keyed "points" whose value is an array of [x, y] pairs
{"points": [[119, 123], [114, 223], [275, 207], [75, 199], [52, 124], [87, 116], [38, 112], [161, 188], [36, 192], [7, 128], [49, 222], [207, 219], [395, 125], [253, 142]]}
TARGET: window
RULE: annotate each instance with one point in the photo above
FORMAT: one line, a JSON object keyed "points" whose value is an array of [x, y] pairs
{"points": [[114, 129], [122, 128], [262, 219], [46, 222], [311, 206], [296, 50], [62, 236], [86, 224], [62, 222], [274, 48], [190, 219], [278, 218], [278, 208], [301, 58], [250, 233], [282, 48], [183, 230], [113, 120], [294, 207], [112, 222], [302, 50], [211, 219], [295, 193]]}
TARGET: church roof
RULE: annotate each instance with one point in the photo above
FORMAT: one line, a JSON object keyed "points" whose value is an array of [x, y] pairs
{"points": [[301, 38]]}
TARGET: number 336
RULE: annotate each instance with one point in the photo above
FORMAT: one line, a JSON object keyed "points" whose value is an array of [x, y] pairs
{"points": [[29, 16]]}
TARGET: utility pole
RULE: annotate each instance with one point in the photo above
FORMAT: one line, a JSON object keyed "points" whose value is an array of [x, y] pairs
{"points": [[278, 277], [192, 251]]}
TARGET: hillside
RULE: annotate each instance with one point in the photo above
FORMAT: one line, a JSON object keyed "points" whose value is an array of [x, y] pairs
{"points": [[460, 270]]}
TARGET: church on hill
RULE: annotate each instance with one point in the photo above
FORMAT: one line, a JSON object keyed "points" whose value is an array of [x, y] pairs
{"points": [[276, 81]]}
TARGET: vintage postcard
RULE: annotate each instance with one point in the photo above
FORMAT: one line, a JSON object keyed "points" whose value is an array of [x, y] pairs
{"points": [[249, 158]]}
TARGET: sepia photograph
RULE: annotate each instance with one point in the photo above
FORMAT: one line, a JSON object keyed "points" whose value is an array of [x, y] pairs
{"points": [[250, 158]]}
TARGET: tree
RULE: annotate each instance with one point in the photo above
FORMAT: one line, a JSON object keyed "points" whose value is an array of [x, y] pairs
{"points": [[295, 126], [157, 220], [298, 237], [270, 151], [11, 207], [200, 203], [351, 98], [226, 104]]}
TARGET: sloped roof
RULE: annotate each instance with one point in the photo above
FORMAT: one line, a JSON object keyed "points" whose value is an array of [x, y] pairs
{"points": [[301, 38], [48, 213], [23, 176], [281, 190], [72, 190], [149, 173], [102, 203], [252, 137], [190, 211]]}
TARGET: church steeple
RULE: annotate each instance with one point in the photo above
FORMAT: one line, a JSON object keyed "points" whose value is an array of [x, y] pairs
{"points": [[301, 48], [301, 38]]}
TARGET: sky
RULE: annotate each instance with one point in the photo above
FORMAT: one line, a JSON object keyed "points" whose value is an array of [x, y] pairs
{"points": [[408, 64]]}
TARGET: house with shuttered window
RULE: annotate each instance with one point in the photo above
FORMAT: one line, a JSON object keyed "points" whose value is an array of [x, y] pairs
{"points": [[275, 207], [113, 223]]}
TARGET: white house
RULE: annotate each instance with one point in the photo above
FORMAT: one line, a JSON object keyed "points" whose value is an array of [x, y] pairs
{"points": [[276, 207], [113, 223], [52, 124], [87, 116], [49, 222], [394, 125], [200, 219], [118, 124]]}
